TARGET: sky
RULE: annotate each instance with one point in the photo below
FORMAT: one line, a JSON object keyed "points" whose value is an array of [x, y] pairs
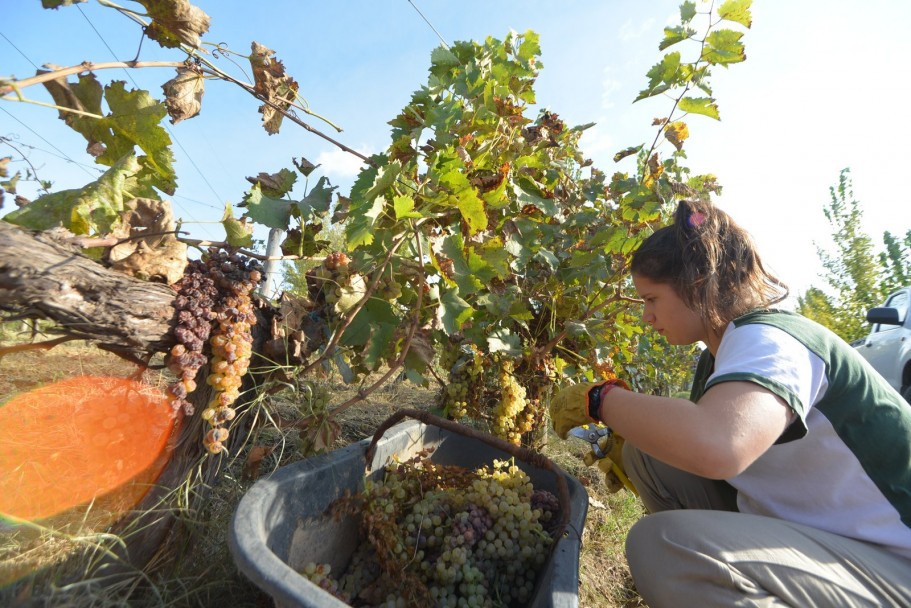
{"points": [[825, 87]]}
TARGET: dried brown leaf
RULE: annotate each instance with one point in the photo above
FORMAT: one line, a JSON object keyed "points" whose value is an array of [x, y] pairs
{"points": [[152, 251], [254, 461], [175, 22], [183, 94], [272, 85]]}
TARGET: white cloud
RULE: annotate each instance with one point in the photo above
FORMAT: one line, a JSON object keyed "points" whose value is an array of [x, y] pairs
{"points": [[609, 86], [630, 31], [596, 141], [339, 164]]}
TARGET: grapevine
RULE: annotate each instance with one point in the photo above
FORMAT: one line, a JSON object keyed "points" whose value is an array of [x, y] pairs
{"points": [[215, 307], [439, 535]]}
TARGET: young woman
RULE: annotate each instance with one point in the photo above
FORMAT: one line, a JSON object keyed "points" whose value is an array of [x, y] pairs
{"points": [[785, 480]]}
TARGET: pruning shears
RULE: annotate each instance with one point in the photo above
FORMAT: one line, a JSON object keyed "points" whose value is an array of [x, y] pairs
{"points": [[601, 440]]}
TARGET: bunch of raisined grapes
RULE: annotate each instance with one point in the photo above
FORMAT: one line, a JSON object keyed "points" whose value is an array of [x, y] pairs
{"points": [[214, 307], [445, 536]]}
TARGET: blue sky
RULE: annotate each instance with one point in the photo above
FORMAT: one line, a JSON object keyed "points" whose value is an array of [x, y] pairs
{"points": [[824, 87]]}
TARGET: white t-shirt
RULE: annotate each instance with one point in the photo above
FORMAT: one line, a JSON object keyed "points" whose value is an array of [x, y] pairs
{"points": [[844, 464]]}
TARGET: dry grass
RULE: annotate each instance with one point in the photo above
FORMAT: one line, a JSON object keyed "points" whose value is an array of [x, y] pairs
{"points": [[48, 562]]}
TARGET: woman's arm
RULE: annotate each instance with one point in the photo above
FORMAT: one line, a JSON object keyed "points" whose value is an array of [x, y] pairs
{"points": [[717, 438]]}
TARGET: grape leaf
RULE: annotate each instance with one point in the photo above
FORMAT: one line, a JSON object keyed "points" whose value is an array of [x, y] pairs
{"points": [[404, 207], [175, 22], [462, 272], [699, 105], [687, 11], [453, 311], [272, 85], [93, 209], [183, 94], [239, 231], [502, 340], [275, 185], [737, 11], [85, 95], [265, 210], [530, 47], [723, 47], [465, 198], [662, 76], [359, 229], [385, 178], [373, 327], [135, 120], [304, 166], [673, 35], [676, 133], [152, 252], [55, 4], [316, 204]]}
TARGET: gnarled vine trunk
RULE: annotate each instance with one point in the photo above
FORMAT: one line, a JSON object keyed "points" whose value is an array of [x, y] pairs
{"points": [[45, 279]]}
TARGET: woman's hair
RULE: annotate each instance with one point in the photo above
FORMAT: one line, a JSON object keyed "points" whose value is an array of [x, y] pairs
{"points": [[711, 262]]}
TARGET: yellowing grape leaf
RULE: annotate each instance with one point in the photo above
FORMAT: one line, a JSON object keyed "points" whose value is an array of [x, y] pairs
{"points": [[85, 95], [404, 207], [737, 11], [351, 294], [93, 209], [662, 76], [183, 94], [272, 85], [175, 22], [239, 232], [723, 47], [699, 105], [135, 120], [676, 133]]}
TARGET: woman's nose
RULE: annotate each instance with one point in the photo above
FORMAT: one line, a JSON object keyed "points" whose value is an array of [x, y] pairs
{"points": [[648, 317]]}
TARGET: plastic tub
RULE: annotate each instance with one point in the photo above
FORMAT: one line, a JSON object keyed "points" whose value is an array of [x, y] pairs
{"points": [[280, 523]]}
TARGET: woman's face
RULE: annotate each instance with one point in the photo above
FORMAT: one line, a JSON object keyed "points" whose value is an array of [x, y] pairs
{"points": [[667, 314]]}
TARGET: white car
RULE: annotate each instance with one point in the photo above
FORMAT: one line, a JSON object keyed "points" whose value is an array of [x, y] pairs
{"points": [[888, 346]]}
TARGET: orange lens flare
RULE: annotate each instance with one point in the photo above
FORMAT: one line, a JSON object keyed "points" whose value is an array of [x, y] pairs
{"points": [[80, 440]]}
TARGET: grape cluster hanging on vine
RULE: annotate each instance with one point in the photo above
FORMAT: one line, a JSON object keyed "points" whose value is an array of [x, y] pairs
{"points": [[214, 307]]}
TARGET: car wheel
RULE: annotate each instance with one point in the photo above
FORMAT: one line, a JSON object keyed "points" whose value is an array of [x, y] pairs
{"points": [[906, 393]]}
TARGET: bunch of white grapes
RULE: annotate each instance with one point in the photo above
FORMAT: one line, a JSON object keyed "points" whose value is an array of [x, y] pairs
{"points": [[448, 536], [511, 417]]}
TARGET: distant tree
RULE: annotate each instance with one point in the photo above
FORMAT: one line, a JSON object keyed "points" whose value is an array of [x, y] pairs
{"points": [[817, 305], [896, 261], [854, 270]]}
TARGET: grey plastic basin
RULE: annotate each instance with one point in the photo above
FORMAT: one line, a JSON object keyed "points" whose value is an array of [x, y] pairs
{"points": [[280, 524]]}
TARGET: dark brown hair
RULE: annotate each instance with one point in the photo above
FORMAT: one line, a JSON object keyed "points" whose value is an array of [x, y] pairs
{"points": [[711, 262]]}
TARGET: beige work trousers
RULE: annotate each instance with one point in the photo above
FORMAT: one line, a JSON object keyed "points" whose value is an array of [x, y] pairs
{"points": [[695, 549]]}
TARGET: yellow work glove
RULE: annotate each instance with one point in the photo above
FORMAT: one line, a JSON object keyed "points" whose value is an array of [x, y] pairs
{"points": [[577, 405], [611, 465]]}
